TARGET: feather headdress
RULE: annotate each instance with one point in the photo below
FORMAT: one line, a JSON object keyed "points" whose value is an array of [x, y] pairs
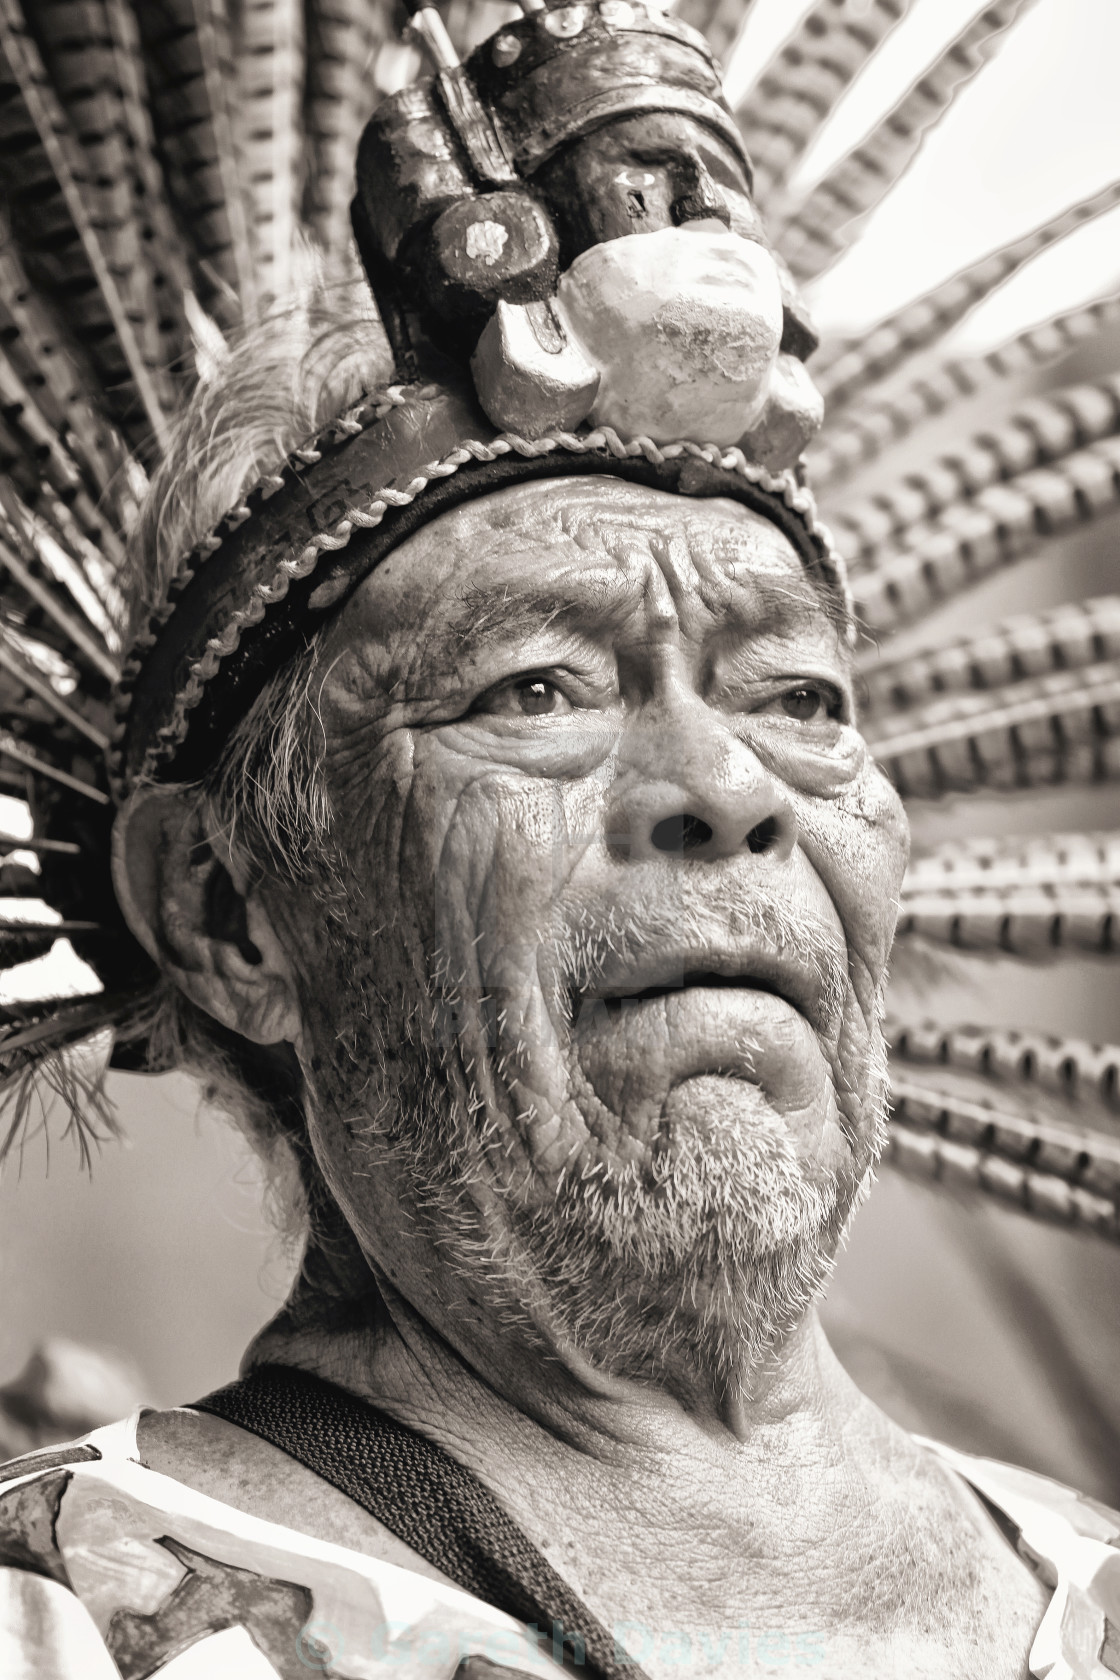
{"points": [[163, 168]]}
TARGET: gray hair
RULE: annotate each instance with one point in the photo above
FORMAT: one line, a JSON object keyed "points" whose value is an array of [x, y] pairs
{"points": [[257, 398]]}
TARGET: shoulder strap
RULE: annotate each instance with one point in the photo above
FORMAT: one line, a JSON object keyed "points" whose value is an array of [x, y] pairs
{"points": [[425, 1497]]}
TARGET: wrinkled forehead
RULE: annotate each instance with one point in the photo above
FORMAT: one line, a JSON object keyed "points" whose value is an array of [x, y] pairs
{"points": [[587, 541]]}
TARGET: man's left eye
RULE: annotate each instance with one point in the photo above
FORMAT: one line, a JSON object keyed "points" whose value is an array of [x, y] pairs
{"points": [[807, 703]]}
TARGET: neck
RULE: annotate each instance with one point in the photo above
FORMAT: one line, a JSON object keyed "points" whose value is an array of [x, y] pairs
{"points": [[616, 1482]]}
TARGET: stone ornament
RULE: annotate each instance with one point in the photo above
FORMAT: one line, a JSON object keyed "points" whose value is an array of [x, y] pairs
{"points": [[571, 209]]}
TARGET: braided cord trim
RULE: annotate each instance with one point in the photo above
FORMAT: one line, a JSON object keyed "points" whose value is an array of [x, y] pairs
{"points": [[369, 515]]}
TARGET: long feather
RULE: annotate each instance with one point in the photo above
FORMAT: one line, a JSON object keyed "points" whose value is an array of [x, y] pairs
{"points": [[89, 53], [721, 22], [1062, 1174], [1023, 921], [56, 1055], [823, 225], [35, 346], [39, 766], [1066, 638], [57, 194], [32, 535], [1069, 1068], [798, 91], [269, 56], [1011, 859], [865, 430], [999, 525], [1063, 727], [1036, 434], [17, 843], [1030, 897], [165, 249], [189, 62], [919, 326], [38, 441], [80, 640], [18, 667], [342, 41]]}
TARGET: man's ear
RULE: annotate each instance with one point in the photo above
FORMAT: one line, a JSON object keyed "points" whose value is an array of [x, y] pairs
{"points": [[191, 905]]}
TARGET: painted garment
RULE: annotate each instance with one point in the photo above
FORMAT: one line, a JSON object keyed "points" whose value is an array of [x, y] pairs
{"points": [[109, 1571]]}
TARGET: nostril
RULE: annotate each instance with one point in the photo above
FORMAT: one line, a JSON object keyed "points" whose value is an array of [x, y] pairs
{"points": [[763, 837], [683, 833]]}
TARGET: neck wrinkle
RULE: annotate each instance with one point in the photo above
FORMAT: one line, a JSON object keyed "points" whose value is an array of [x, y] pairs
{"points": [[349, 1324]]}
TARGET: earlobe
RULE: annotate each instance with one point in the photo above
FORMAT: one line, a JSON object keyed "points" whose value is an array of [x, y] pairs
{"points": [[205, 928]]}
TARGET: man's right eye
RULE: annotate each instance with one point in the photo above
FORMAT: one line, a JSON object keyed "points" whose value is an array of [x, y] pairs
{"points": [[525, 697]]}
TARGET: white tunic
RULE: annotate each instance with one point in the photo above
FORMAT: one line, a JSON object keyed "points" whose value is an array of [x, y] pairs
{"points": [[110, 1571]]}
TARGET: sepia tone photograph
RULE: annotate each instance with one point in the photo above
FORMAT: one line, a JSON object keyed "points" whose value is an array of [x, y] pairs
{"points": [[559, 839]]}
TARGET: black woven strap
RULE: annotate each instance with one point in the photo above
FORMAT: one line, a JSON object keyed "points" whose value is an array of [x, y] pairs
{"points": [[425, 1497]]}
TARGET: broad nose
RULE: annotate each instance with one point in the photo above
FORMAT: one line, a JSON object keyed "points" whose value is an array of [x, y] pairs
{"points": [[690, 789], [697, 198]]}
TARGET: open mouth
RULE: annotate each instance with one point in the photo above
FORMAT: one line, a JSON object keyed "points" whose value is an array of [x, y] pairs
{"points": [[616, 1000]]}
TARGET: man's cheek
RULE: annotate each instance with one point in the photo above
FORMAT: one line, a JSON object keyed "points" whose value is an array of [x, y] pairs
{"points": [[492, 850], [858, 844]]}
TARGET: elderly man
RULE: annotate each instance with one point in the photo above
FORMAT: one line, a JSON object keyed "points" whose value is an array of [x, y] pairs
{"points": [[582, 997], [495, 816]]}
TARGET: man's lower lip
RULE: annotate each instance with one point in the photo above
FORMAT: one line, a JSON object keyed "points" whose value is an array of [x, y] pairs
{"points": [[615, 1004]]}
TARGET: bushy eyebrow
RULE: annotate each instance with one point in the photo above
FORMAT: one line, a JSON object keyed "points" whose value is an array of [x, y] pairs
{"points": [[483, 615]]}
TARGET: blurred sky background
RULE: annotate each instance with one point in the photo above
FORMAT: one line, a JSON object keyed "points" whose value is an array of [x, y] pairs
{"points": [[166, 1253]]}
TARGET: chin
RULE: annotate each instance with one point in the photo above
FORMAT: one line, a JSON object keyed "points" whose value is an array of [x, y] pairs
{"points": [[692, 1266]]}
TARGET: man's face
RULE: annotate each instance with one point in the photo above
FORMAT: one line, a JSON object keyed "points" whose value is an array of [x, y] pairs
{"points": [[600, 1026]]}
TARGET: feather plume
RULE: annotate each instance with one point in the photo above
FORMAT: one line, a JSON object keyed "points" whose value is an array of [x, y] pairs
{"points": [[165, 247], [41, 611], [343, 38], [720, 21], [1060, 1173], [16, 666], [921, 325], [188, 58], [822, 227], [1030, 897], [35, 348], [65, 1057], [80, 227], [1024, 921], [1022, 1062], [1066, 638], [946, 555], [869, 428], [85, 52], [793, 98], [33, 452], [268, 50], [1038, 433], [1061, 727]]}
